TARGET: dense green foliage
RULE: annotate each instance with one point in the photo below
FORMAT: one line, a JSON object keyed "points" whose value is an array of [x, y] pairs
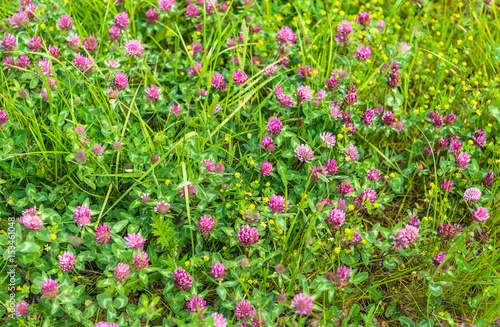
{"points": [[78, 136]]}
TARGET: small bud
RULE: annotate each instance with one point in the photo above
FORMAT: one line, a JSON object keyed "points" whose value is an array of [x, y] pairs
{"points": [[282, 297], [244, 262], [23, 93], [74, 240], [81, 157]]}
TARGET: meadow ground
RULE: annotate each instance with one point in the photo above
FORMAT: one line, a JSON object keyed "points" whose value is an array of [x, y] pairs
{"points": [[249, 163]]}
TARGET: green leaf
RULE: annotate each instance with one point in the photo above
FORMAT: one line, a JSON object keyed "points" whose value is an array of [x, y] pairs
{"points": [[495, 52], [298, 189], [221, 290], [19, 136], [331, 293], [33, 83], [474, 168], [90, 310], [397, 184], [36, 289], [111, 314], [41, 264], [350, 259], [85, 256], [495, 112], [143, 277], [390, 101], [435, 289], [365, 256], [354, 311], [385, 232], [86, 115], [426, 323], [43, 235], [281, 169], [104, 300], [184, 184], [78, 291], [392, 51], [62, 117], [360, 278], [119, 226], [30, 191], [323, 178], [287, 154], [406, 322], [399, 98], [40, 197], [120, 302], [28, 247], [164, 231], [231, 283], [144, 300], [105, 283], [294, 142], [117, 250], [303, 282], [77, 315], [390, 310]]}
